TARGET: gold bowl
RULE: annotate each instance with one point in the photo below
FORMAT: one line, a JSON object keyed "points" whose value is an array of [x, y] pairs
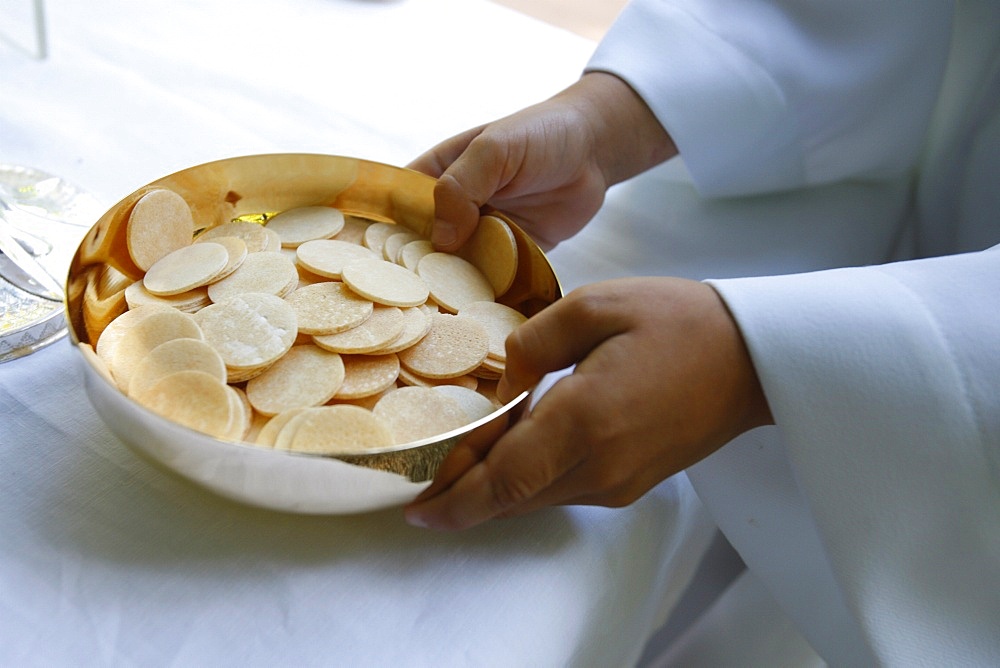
{"points": [[253, 188]]}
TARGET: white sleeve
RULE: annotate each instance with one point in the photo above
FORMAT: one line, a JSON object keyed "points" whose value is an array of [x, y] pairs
{"points": [[764, 95], [885, 383]]}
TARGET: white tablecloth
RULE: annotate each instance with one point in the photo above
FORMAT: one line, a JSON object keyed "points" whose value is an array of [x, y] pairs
{"points": [[108, 561]]}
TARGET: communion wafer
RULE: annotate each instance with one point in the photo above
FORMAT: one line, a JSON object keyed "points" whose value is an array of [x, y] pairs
{"points": [[329, 308], [377, 233], [372, 335], [305, 376], [327, 257], [474, 404], [306, 223], [268, 434], [237, 250], [115, 329], [252, 234], [137, 295], [160, 222], [272, 273], [354, 229], [416, 324], [394, 242], [146, 334], [186, 268], [365, 375], [412, 413], [407, 377], [410, 254], [499, 320], [331, 430], [453, 282], [249, 330], [194, 399], [183, 354], [454, 346], [385, 283], [493, 249], [240, 414]]}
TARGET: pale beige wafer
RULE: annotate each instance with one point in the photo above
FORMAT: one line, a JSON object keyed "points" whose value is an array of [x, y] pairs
{"points": [[249, 330], [333, 430], [410, 254], [306, 223], [257, 424], [453, 347], [492, 367], [354, 229], [243, 375], [241, 415], [182, 354], [372, 335], [272, 241], [237, 250], [493, 249], [364, 402], [103, 298], [186, 268], [160, 222], [194, 399], [268, 434], [385, 282], [377, 233], [137, 295], [115, 329], [416, 324], [365, 375], [326, 257], [139, 339], [252, 234], [453, 281], [394, 242], [407, 377], [304, 376], [474, 404], [499, 320], [329, 308], [413, 413], [271, 273]]}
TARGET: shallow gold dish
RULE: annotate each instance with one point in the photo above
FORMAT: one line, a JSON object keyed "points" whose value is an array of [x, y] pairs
{"points": [[247, 187]]}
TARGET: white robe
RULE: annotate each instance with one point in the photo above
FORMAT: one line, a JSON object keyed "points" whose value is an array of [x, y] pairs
{"points": [[871, 512]]}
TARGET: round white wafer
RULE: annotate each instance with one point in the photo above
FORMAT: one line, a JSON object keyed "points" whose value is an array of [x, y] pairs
{"points": [[186, 268], [160, 222], [145, 335], [327, 257], [453, 347], [499, 321], [241, 414], [354, 229], [493, 249], [137, 295], [271, 273], [194, 399], [377, 233], [249, 330], [365, 375], [304, 376], [474, 404], [453, 281], [412, 413], [306, 223], [268, 434], [416, 324], [252, 234], [372, 335], [172, 356], [407, 377], [395, 242], [385, 282], [410, 254], [332, 430], [115, 329], [329, 308], [237, 249]]}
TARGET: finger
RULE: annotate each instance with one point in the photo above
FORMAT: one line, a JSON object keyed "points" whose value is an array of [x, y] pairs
{"points": [[467, 453], [436, 160], [559, 336], [514, 470]]}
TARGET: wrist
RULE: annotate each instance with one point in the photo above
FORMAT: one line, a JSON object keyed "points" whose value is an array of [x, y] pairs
{"points": [[628, 138]]}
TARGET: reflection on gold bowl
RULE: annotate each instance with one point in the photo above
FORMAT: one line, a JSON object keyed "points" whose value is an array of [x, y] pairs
{"points": [[243, 188]]}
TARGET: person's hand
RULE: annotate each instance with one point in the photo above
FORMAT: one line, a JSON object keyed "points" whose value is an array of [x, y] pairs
{"points": [[662, 379], [547, 166]]}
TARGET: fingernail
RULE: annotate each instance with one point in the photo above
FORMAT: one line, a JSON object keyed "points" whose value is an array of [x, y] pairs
{"points": [[443, 234], [416, 520]]}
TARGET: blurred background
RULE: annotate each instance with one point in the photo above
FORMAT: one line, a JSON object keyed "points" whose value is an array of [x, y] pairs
{"points": [[587, 18]]}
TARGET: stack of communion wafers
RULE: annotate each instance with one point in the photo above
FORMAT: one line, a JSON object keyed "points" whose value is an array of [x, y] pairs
{"points": [[310, 330]]}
